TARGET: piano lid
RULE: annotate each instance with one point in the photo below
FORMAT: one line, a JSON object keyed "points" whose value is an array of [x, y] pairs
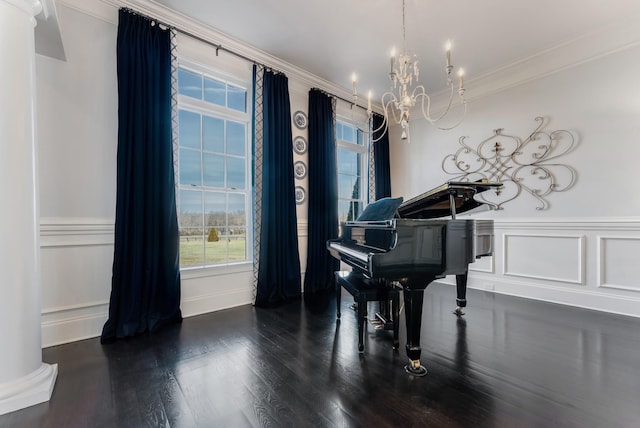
{"points": [[437, 202]]}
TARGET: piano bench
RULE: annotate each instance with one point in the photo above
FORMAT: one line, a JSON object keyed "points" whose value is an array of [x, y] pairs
{"points": [[365, 290]]}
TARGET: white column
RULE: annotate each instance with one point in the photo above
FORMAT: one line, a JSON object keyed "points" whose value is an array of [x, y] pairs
{"points": [[24, 379]]}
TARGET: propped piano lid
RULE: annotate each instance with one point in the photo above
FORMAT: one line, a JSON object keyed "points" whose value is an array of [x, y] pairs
{"points": [[436, 202]]}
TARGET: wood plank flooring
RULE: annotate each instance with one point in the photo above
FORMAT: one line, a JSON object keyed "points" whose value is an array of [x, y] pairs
{"points": [[508, 362]]}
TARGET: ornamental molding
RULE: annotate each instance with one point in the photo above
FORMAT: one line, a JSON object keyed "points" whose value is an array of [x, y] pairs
{"points": [[522, 165]]}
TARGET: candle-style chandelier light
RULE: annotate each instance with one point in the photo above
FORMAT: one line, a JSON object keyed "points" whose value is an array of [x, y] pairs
{"points": [[400, 99]]}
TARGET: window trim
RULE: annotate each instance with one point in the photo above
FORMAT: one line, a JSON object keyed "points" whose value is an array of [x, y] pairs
{"points": [[360, 149], [202, 107]]}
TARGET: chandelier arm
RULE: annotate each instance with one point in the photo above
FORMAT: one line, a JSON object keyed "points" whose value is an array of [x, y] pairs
{"points": [[382, 128], [382, 134], [423, 95], [427, 114], [448, 128], [388, 106]]}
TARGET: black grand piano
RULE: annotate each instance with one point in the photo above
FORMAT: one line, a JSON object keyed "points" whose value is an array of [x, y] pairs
{"points": [[417, 247]]}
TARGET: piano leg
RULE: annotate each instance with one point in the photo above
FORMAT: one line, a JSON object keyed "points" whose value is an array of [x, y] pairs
{"points": [[413, 317], [395, 308], [461, 288], [362, 305]]}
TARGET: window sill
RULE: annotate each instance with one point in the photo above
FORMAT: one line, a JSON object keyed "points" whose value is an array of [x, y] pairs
{"points": [[207, 271]]}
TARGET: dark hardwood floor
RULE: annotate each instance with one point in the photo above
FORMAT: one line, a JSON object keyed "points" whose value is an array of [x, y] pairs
{"points": [[508, 362]]}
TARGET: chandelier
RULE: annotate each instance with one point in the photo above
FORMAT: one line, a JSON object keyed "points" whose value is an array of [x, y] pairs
{"points": [[400, 99]]}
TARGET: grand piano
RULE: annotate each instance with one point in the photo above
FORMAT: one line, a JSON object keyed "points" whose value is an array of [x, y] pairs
{"points": [[417, 247]]}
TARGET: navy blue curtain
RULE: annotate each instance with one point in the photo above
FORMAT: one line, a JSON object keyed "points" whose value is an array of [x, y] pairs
{"points": [[279, 269], [381, 159], [323, 194], [145, 288]]}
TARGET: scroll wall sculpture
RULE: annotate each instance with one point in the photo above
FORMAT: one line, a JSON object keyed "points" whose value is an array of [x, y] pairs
{"points": [[521, 165]]}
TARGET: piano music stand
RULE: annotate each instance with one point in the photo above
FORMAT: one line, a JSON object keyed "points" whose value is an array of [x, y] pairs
{"points": [[365, 290]]}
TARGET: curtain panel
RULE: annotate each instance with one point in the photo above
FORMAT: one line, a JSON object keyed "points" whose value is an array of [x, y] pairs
{"points": [[323, 193], [279, 260], [381, 159], [145, 289]]}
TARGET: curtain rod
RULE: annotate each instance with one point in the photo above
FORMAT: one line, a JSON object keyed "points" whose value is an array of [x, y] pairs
{"points": [[219, 47]]}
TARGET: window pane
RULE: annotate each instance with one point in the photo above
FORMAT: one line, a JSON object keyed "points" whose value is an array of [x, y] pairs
{"points": [[339, 131], [237, 214], [216, 246], [355, 208], [344, 186], [237, 98], [213, 170], [343, 209], [347, 133], [236, 138], [235, 173], [213, 161], [214, 91], [190, 173], [237, 244], [215, 209], [355, 188], [189, 129], [191, 247], [360, 135], [189, 83], [212, 134], [190, 208], [347, 161]]}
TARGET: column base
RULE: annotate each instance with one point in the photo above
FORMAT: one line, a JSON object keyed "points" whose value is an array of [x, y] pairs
{"points": [[29, 390]]}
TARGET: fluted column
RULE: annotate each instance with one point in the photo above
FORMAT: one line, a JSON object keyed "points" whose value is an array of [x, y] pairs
{"points": [[24, 379]]}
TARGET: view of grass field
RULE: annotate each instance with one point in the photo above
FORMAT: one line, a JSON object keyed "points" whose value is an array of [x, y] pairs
{"points": [[222, 251]]}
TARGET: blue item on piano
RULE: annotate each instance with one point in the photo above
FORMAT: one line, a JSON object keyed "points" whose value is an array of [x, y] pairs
{"points": [[382, 209]]}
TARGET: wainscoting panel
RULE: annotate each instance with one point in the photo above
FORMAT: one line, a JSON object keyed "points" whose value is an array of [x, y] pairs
{"points": [[483, 264], [619, 262], [548, 257], [76, 264]]}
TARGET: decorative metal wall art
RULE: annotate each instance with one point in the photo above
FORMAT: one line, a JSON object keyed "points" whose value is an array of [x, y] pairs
{"points": [[521, 165]]}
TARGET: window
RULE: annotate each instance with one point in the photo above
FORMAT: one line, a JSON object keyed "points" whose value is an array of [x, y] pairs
{"points": [[214, 165], [352, 146]]}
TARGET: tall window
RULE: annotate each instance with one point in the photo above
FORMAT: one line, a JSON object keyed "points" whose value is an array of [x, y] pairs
{"points": [[214, 163], [352, 176]]}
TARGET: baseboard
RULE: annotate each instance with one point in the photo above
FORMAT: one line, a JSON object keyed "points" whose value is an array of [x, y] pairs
{"points": [[216, 301], [580, 298], [29, 390], [70, 324]]}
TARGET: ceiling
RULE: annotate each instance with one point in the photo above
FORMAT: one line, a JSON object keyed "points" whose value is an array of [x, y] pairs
{"points": [[334, 38]]}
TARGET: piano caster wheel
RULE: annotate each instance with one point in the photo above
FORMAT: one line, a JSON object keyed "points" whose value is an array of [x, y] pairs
{"points": [[458, 311], [361, 348], [414, 368]]}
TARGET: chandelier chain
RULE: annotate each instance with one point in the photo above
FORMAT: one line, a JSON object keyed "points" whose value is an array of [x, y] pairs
{"points": [[404, 28]]}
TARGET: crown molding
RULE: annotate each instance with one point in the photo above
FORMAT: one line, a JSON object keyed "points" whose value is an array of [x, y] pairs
{"points": [[615, 37], [216, 37], [599, 43]]}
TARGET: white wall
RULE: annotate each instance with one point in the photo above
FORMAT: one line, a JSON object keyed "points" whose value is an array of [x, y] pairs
{"points": [[593, 228], [77, 127], [583, 249]]}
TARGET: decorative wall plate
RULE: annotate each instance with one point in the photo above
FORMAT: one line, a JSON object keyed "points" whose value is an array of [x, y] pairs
{"points": [[301, 195], [300, 119], [300, 145], [300, 170]]}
